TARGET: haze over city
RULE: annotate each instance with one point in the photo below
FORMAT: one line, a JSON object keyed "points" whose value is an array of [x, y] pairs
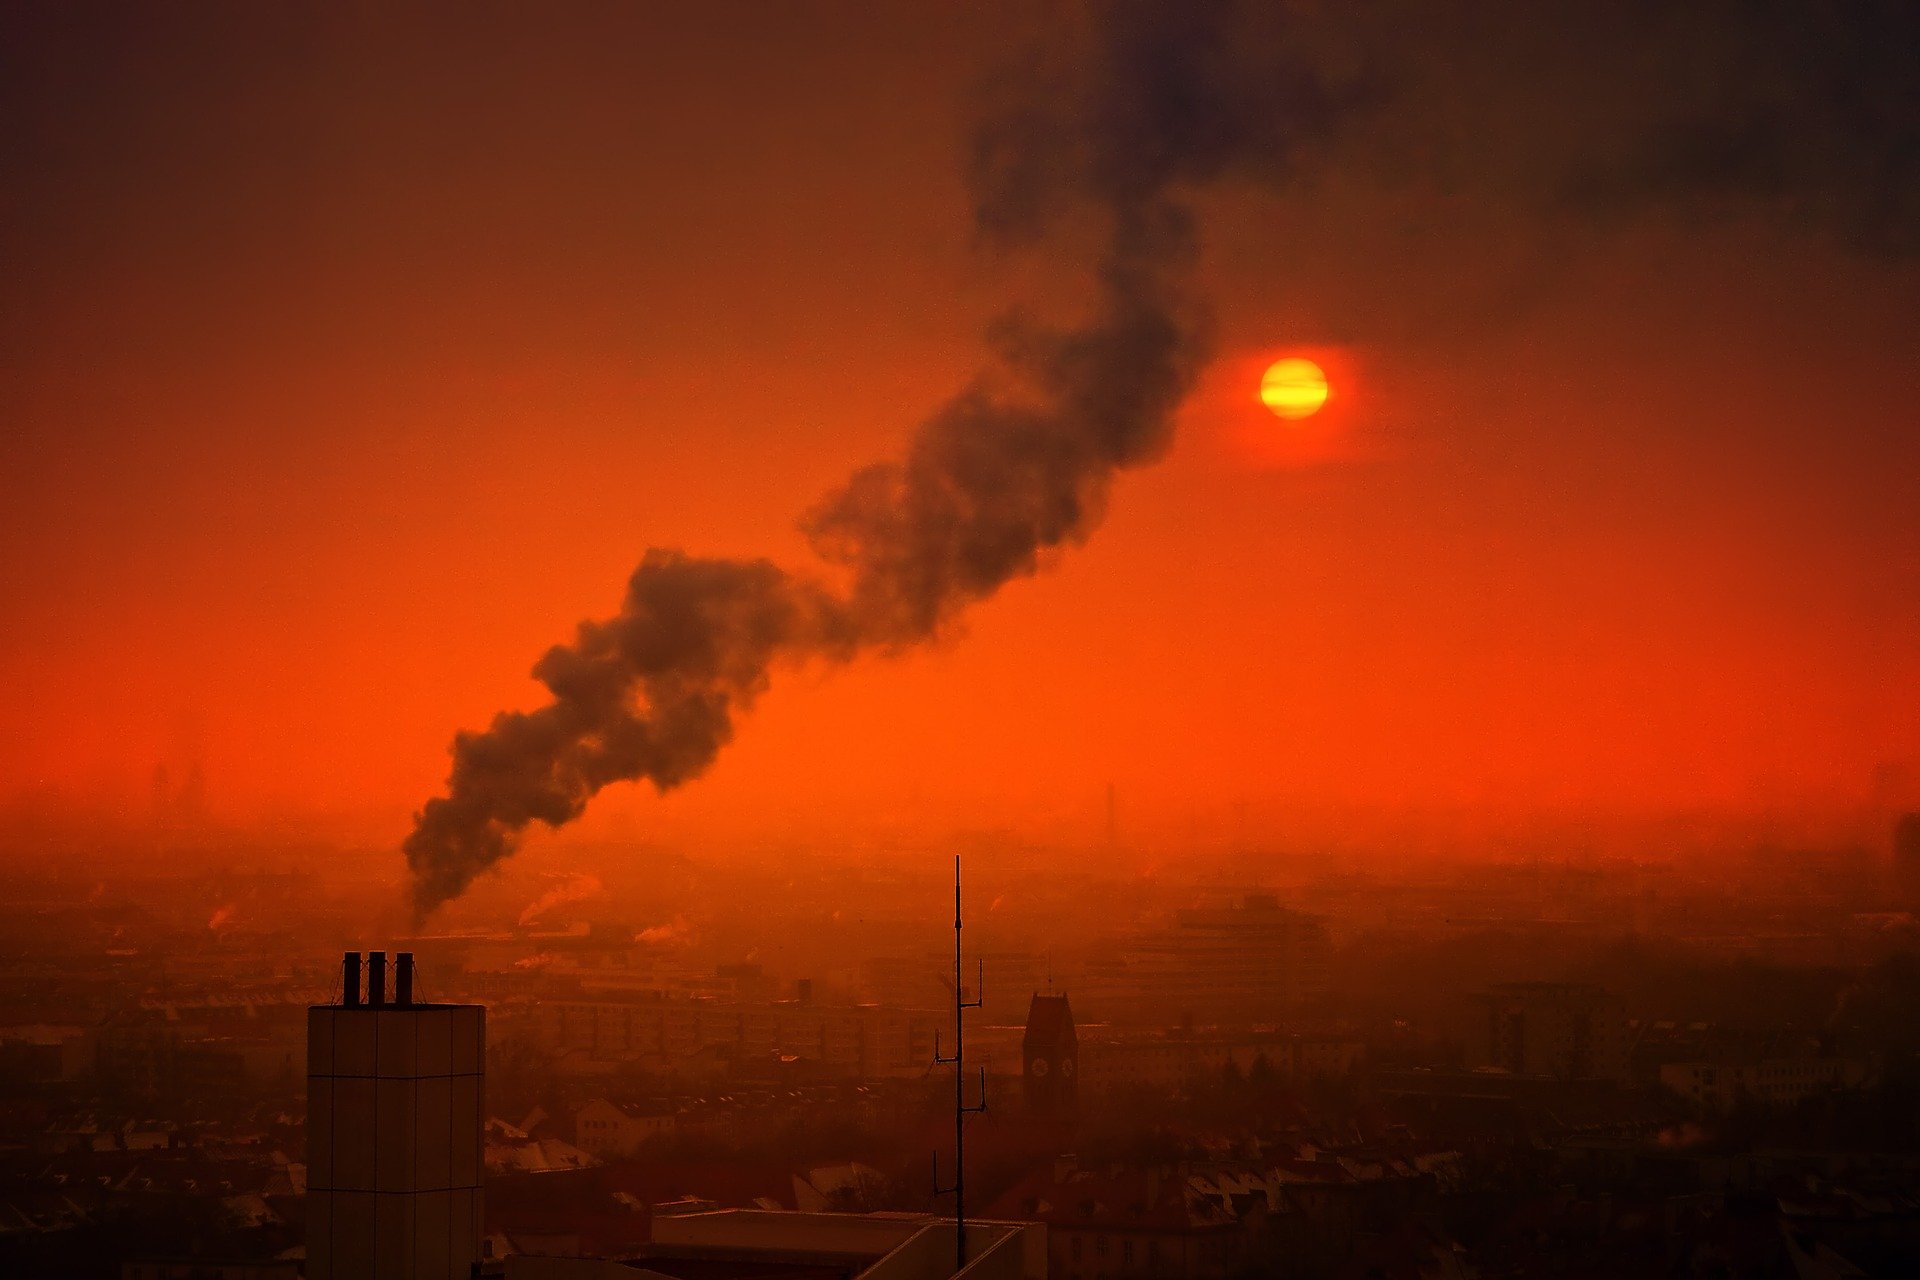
{"points": [[1364, 528]]}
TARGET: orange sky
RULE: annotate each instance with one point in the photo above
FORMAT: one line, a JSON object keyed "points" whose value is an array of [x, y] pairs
{"points": [[351, 363]]}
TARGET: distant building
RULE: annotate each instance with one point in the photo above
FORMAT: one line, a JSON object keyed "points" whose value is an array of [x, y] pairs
{"points": [[1726, 1080], [1565, 1030], [210, 1269], [45, 1054], [394, 1123], [1050, 1058], [1170, 1063], [1906, 858], [614, 1129], [678, 1035], [1114, 1223], [166, 1048], [764, 1244], [1250, 964]]}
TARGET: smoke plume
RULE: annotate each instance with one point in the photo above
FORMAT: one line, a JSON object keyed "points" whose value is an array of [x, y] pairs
{"points": [[576, 887], [1018, 463], [676, 932]]}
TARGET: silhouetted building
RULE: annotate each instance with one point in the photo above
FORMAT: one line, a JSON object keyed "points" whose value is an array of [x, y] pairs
{"points": [[1254, 963], [1050, 1058], [45, 1054], [701, 1037], [395, 1113], [1115, 1222], [1168, 1063], [211, 1269], [170, 1048], [611, 1129], [763, 1244], [1725, 1081], [1906, 858], [1566, 1030]]}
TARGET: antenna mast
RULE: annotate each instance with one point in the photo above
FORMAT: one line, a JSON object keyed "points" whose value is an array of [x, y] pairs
{"points": [[958, 1060]]}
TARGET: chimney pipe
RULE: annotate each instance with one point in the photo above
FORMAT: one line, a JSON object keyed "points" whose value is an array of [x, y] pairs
{"points": [[403, 978], [350, 970], [376, 978]]}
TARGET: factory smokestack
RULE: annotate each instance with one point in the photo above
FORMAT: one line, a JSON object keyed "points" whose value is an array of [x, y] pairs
{"points": [[1015, 465]]}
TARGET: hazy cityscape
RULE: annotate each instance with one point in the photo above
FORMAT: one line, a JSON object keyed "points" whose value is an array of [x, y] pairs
{"points": [[1261, 1065], [1009, 640]]}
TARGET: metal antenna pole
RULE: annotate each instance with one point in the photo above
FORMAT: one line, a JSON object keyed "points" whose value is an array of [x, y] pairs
{"points": [[960, 1108]]}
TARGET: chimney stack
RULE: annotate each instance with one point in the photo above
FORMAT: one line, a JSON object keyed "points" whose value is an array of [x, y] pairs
{"points": [[385, 1200]]}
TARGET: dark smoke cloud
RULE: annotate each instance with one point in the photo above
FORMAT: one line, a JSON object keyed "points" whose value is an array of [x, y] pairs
{"points": [[1804, 111], [1544, 113], [1015, 465], [1808, 107]]}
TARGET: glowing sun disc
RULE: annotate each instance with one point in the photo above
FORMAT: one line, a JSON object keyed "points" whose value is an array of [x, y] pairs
{"points": [[1293, 388]]}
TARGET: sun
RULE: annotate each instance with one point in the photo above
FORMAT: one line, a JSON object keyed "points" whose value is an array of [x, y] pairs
{"points": [[1294, 388]]}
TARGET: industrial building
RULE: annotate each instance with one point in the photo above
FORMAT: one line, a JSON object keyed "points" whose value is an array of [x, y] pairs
{"points": [[1253, 963], [395, 1106], [1566, 1030]]}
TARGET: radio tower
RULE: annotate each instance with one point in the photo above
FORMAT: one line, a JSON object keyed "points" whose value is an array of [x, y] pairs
{"points": [[958, 1061]]}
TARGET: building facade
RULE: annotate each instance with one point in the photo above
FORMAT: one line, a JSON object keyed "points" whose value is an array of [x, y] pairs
{"points": [[1169, 1064], [1565, 1030], [1050, 1058], [395, 1112], [1249, 964], [611, 1130], [869, 1041], [1722, 1083]]}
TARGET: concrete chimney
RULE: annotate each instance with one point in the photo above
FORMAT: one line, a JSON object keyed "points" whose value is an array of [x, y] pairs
{"points": [[396, 1153], [350, 973]]}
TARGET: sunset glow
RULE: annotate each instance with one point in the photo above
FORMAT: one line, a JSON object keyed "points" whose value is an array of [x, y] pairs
{"points": [[270, 549], [1061, 639]]}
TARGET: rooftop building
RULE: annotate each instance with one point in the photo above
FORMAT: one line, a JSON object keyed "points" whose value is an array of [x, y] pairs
{"points": [[395, 1115], [1255, 962], [1566, 1030], [1050, 1053], [762, 1244]]}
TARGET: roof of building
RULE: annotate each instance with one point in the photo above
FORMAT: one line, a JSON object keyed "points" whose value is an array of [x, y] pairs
{"points": [[1126, 1200], [1049, 1024], [654, 1108]]}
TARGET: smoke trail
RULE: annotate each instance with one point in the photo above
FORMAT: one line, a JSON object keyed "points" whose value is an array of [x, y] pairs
{"points": [[675, 933], [576, 887], [1019, 462]]}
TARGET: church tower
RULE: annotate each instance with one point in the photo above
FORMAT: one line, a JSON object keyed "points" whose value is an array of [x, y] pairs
{"points": [[1050, 1072]]}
